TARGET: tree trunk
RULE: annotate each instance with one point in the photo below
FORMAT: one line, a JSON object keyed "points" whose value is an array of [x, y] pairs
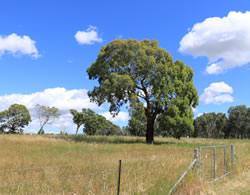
{"points": [[41, 130], [77, 129], [150, 130]]}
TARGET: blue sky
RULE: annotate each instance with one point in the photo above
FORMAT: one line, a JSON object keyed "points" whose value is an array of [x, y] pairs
{"points": [[49, 64]]}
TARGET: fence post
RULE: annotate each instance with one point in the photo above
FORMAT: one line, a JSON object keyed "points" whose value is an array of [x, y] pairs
{"points": [[200, 164], [119, 176], [232, 150], [214, 164], [225, 160], [196, 154]]}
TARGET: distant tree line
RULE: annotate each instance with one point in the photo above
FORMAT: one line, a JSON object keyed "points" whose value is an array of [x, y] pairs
{"points": [[208, 125], [13, 120], [235, 125]]}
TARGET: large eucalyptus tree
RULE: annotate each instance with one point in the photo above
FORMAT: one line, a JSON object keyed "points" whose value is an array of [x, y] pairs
{"points": [[139, 72]]}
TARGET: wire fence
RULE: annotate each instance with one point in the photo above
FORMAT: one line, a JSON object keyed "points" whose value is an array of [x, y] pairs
{"points": [[15, 180], [211, 163]]}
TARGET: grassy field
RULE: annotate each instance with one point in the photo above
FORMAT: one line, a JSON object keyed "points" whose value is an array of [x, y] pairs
{"points": [[88, 165]]}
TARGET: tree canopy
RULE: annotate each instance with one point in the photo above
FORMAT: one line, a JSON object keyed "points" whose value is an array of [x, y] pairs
{"points": [[46, 115], [210, 125], [238, 122], [77, 118], [235, 125], [14, 119], [134, 72]]}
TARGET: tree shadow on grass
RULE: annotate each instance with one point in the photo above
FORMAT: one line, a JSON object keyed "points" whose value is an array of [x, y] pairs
{"points": [[122, 140]]}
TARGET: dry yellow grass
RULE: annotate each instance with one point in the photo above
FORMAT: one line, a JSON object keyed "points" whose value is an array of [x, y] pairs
{"points": [[92, 167]]}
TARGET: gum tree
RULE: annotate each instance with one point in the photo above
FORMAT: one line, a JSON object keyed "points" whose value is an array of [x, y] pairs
{"points": [[14, 119], [135, 72], [46, 115], [77, 119]]}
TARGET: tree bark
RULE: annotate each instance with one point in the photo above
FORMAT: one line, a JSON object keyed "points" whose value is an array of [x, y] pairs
{"points": [[150, 130], [77, 129]]}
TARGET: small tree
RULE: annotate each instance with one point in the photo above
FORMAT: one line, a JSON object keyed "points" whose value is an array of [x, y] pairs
{"points": [[46, 115], [14, 119], [77, 118], [94, 124]]}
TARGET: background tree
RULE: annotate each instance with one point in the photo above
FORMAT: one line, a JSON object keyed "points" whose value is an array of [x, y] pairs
{"points": [[210, 125], [77, 118], [94, 124], [46, 115], [141, 72], [238, 122], [108, 128], [14, 119]]}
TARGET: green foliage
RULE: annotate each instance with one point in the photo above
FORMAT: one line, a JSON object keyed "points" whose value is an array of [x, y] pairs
{"points": [[94, 124], [14, 119], [210, 125], [236, 125], [77, 118], [46, 115], [131, 71], [238, 122]]}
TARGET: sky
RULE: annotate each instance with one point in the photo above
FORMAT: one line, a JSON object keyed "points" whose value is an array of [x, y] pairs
{"points": [[46, 47]]}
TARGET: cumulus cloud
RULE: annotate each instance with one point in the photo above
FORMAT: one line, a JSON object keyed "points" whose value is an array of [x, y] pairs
{"points": [[121, 117], [225, 41], [195, 110], [15, 44], [88, 37], [200, 114], [60, 98], [217, 93]]}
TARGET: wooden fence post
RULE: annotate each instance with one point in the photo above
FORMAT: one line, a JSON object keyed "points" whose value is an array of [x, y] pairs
{"points": [[225, 160], [214, 164], [196, 153], [196, 156], [200, 163], [119, 177], [232, 150]]}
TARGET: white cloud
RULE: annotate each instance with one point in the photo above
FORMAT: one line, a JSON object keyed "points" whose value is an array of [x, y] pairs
{"points": [[195, 110], [15, 44], [225, 41], [200, 114], [88, 37], [121, 117], [58, 97], [217, 93]]}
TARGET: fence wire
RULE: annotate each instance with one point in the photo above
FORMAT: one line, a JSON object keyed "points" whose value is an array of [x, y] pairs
{"points": [[47, 167], [134, 170], [57, 179]]}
